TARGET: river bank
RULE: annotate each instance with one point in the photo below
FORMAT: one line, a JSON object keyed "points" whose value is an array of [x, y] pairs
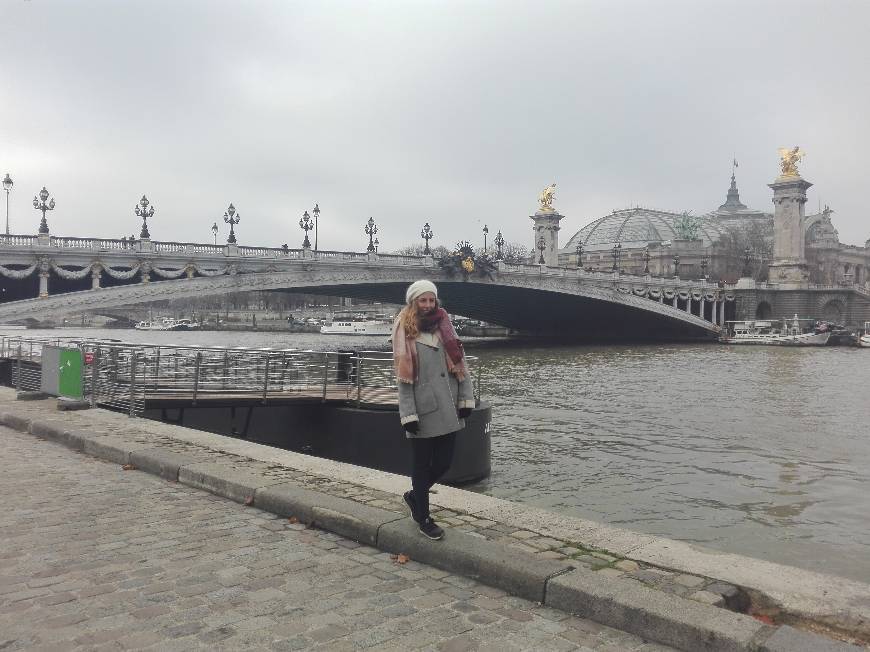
{"points": [[679, 595]]}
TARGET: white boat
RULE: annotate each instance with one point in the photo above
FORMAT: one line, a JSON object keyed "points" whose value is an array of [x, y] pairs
{"points": [[773, 333], [864, 340], [167, 324], [357, 324]]}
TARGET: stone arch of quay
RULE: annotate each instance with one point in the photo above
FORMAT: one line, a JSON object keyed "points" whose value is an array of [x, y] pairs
{"points": [[552, 304]]}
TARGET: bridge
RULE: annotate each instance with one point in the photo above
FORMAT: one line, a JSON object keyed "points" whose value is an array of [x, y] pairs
{"points": [[48, 275]]}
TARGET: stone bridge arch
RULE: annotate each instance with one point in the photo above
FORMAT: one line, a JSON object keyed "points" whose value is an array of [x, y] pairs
{"points": [[557, 303]]}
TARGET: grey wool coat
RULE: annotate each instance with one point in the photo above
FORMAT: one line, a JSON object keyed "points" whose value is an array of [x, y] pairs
{"points": [[435, 397]]}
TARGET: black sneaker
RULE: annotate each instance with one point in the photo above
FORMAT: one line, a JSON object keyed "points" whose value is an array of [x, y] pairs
{"points": [[428, 528], [408, 496]]}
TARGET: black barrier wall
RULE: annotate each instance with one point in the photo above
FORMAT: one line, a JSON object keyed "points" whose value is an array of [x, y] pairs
{"points": [[371, 438]]}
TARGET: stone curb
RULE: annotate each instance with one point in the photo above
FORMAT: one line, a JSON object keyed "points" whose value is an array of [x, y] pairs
{"points": [[486, 561], [615, 602], [340, 515], [223, 480], [669, 619]]}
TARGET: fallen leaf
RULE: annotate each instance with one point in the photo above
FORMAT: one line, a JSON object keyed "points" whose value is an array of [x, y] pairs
{"points": [[292, 520], [249, 500], [128, 467], [403, 559]]}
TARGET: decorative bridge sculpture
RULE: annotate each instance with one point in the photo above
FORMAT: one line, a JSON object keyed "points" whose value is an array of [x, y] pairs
{"points": [[533, 298]]}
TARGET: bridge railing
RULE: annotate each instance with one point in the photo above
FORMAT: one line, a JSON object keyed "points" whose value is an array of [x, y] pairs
{"points": [[130, 377]]}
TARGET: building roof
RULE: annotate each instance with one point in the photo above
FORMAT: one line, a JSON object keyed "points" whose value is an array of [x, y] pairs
{"points": [[635, 228]]}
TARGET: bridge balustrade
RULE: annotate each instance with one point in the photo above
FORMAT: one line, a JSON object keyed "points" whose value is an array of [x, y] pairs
{"points": [[18, 240]]}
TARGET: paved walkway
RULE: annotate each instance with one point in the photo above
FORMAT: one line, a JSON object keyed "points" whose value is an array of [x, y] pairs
{"points": [[94, 557]]}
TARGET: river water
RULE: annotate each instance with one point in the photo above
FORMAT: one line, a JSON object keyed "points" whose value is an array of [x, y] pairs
{"points": [[762, 451]]}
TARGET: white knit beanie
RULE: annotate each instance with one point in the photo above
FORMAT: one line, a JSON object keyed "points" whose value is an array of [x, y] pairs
{"points": [[420, 287]]}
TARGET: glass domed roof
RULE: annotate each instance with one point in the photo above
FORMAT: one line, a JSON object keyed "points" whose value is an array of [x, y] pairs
{"points": [[635, 228]]}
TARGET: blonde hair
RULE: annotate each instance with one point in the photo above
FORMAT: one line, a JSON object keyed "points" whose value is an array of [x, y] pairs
{"points": [[410, 319]]}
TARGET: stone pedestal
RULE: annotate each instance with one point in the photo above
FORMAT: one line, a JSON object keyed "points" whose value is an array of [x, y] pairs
{"points": [[546, 224], [789, 267]]}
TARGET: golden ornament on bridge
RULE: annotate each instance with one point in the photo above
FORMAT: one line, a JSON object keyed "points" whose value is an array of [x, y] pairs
{"points": [[789, 160], [468, 265]]}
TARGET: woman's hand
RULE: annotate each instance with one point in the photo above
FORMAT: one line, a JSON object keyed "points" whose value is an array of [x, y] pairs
{"points": [[464, 413], [412, 427]]}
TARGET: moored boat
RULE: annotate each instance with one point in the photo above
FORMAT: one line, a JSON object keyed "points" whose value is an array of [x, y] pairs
{"points": [[357, 324], [864, 340], [773, 333]]}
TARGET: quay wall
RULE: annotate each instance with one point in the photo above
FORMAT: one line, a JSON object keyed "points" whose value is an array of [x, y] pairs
{"points": [[843, 306]]}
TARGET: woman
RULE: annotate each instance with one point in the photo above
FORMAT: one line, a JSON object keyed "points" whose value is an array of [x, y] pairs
{"points": [[435, 393]]}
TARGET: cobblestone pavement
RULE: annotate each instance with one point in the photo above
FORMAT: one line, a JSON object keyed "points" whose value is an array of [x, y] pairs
{"points": [[94, 557]]}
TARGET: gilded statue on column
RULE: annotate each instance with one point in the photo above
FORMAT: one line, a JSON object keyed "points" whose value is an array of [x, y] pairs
{"points": [[789, 158], [546, 198]]}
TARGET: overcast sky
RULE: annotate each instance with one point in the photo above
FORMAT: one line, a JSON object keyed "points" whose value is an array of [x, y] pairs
{"points": [[455, 113]]}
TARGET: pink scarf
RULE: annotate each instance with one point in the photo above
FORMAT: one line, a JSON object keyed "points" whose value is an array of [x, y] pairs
{"points": [[405, 349]]}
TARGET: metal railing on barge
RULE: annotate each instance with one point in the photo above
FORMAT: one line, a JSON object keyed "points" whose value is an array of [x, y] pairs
{"points": [[129, 376]]}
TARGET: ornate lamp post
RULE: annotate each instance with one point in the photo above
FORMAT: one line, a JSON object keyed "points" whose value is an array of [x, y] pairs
{"points": [[316, 211], [305, 223], [747, 258], [485, 233], [142, 210], [377, 242], [231, 218], [371, 230], [499, 243], [579, 254], [214, 231], [616, 254], [646, 262], [42, 206], [7, 186], [676, 265], [542, 245], [427, 234]]}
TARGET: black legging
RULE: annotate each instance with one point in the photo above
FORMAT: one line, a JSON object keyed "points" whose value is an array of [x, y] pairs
{"points": [[431, 457]]}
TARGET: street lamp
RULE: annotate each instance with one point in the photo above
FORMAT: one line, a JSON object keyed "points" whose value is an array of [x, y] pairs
{"points": [[42, 206], [499, 243], [542, 245], [306, 225], [427, 234], [646, 258], [371, 229], [316, 211], [579, 254], [377, 243], [485, 233], [616, 254], [7, 186], [231, 218], [142, 210], [214, 231]]}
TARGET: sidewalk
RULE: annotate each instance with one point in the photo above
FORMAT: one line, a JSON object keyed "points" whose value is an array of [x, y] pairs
{"points": [[97, 558], [581, 567]]}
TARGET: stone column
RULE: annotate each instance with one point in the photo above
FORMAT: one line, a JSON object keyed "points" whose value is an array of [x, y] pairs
{"points": [[145, 271], [675, 298], [701, 310], [789, 266], [96, 272], [545, 224], [44, 271]]}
